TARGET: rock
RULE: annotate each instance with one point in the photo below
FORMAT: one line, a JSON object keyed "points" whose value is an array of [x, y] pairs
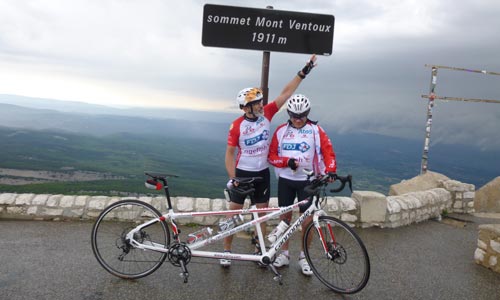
{"points": [[487, 198], [427, 181]]}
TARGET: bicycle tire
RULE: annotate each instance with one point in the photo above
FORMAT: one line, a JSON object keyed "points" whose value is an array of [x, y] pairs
{"points": [[345, 269], [111, 248]]}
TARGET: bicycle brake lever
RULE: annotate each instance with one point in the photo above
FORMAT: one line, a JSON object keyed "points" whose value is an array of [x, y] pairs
{"points": [[343, 181]]}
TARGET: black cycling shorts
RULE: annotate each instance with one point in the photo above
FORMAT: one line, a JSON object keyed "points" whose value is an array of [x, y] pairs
{"points": [[288, 190], [262, 188]]}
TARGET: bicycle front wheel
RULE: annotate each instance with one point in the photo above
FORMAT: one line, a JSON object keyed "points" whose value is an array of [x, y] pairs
{"points": [[337, 255], [115, 252]]}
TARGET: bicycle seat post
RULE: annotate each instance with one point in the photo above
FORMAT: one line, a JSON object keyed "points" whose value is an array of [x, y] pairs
{"points": [[167, 193]]}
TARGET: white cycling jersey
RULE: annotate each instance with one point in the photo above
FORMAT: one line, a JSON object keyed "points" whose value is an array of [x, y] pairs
{"points": [[309, 146], [252, 139]]}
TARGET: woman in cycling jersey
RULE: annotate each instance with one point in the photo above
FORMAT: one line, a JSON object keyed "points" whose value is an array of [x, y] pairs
{"points": [[297, 145]]}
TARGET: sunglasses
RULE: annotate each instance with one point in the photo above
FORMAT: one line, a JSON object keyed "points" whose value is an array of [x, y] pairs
{"points": [[298, 116], [255, 103]]}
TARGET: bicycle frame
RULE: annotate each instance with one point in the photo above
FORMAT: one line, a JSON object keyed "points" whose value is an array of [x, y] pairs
{"points": [[270, 213]]}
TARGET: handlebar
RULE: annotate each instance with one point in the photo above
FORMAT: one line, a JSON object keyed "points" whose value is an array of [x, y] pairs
{"points": [[243, 186], [312, 188]]}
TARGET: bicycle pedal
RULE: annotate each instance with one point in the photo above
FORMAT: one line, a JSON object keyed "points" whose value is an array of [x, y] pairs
{"points": [[184, 276]]}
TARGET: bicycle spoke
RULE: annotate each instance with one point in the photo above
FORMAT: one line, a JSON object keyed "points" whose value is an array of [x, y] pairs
{"points": [[112, 247], [345, 266]]}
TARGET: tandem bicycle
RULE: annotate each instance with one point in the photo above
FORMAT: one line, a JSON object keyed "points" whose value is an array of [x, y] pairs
{"points": [[131, 238]]}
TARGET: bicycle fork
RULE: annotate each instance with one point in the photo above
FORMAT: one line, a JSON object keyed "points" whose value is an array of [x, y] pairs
{"points": [[328, 232]]}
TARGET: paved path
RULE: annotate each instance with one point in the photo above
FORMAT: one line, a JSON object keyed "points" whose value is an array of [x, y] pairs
{"points": [[431, 260]]}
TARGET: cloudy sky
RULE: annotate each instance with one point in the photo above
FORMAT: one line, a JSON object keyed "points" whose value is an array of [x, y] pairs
{"points": [[149, 53]]}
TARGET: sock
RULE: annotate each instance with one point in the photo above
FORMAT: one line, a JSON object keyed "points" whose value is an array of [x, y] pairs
{"points": [[285, 252], [302, 255]]}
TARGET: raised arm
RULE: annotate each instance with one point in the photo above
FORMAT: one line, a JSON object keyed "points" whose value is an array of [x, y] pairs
{"points": [[290, 88]]}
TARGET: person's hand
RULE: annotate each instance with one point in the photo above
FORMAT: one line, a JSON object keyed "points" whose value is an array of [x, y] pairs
{"points": [[292, 164], [232, 183], [331, 177], [309, 65]]}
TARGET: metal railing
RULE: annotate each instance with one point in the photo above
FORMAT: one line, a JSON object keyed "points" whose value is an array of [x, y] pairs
{"points": [[432, 96]]}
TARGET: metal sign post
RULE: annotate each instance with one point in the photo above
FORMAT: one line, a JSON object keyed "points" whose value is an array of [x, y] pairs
{"points": [[430, 105], [267, 30], [264, 78], [432, 96]]}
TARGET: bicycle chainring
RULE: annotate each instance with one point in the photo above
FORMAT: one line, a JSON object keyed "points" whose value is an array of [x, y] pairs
{"points": [[179, 252]]}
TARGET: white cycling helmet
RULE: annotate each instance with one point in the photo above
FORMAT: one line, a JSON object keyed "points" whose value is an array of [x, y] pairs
{"points": [[298, 104], [249, 95]]}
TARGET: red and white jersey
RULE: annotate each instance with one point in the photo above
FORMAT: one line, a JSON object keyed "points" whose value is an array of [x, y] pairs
{"points": [[252, 139], [309, 145]]}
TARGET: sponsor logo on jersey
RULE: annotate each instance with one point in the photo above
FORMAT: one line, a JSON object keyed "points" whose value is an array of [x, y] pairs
{"points": [[248, 130], [305, 131], [255, 151], [289, 135], [264, 136], [302, 147]]}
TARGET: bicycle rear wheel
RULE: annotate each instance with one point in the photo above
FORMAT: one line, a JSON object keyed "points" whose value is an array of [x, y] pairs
{"points": [[114, 251], [345, 267]]}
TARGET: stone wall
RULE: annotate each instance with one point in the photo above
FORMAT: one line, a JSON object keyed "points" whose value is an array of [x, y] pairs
{"points": [[488, 247], [63, 207], [462, 194], [416, 207], [364, 208]]}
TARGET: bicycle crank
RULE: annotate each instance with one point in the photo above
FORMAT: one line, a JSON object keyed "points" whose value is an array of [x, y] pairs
{"points": [[179, 255]]}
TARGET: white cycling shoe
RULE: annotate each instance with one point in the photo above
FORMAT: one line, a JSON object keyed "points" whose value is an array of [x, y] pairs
{"points": [[304, 266], [281, 261], [225, 263]]}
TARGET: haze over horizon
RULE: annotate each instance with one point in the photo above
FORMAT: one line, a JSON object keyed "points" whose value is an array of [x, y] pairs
{"points": [[149, 54]]}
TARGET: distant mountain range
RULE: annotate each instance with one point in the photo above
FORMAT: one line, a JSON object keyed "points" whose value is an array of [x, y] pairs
{"points": [[193, 143], [94, 109]]}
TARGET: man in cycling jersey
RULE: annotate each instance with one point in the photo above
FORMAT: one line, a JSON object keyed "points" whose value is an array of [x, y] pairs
{"points": [[249, 137], [297, 145]]}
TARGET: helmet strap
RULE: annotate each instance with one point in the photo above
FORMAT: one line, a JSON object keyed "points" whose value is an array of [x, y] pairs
{"points": [[248, 115], [252, 113]]}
